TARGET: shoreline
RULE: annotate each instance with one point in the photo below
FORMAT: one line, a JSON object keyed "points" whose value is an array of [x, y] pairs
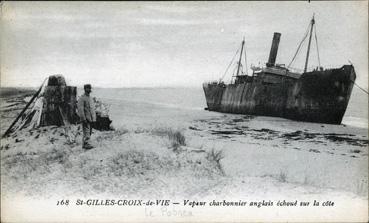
{"points": [[179, 154], [242, 147]]}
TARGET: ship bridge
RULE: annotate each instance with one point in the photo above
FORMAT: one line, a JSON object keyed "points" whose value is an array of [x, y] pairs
{"points": [[281, 71]]}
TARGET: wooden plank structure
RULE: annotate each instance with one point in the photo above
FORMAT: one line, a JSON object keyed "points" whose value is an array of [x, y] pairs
{"points": [[54, 103], [60, 106]]}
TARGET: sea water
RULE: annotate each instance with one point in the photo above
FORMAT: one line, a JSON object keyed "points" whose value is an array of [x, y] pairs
{"points": [[357, 110], [171, 102]]}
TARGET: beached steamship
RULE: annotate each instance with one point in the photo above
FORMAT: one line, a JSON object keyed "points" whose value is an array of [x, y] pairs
{"points": [[319, 96]]}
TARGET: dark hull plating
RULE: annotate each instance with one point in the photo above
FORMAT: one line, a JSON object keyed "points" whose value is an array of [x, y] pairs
{"points": [[317, 96]]}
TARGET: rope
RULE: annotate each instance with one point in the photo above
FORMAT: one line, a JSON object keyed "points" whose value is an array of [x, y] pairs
{"points": [[229, 65], [317, 47], [234, 70], [360, 88], [298, 48]]}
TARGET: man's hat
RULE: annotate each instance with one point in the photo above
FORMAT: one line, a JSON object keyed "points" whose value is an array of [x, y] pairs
{"points": [[87, 86]]}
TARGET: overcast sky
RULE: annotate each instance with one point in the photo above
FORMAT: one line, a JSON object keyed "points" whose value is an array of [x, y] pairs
{"points": [[144, 44]]}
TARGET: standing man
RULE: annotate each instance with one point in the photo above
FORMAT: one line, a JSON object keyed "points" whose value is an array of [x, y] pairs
{"points": [[86, 111]]}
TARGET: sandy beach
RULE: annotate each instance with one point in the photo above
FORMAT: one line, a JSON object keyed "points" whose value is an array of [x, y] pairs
{"points": [[164, 151]]}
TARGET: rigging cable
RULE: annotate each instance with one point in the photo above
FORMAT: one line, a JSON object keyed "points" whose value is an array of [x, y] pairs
{"points": [[317, 47], [298, 48], [360, 87], [234, 70], [229, 65]]}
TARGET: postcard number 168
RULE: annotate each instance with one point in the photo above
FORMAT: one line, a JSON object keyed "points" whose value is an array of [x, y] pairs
{"points": [[62, 202]]}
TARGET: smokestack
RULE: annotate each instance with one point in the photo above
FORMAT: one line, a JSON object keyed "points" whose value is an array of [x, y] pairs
{"points": [[273, 50]]}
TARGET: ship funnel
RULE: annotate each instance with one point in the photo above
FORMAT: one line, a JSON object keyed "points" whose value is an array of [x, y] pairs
{"points": [[273, 50]]}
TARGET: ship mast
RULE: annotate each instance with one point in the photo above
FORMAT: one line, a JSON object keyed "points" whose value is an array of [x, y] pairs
{"points": [[308, 50], [239, 61]]}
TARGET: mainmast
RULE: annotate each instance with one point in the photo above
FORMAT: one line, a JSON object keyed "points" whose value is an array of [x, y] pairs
{"points": [[239, 61], [308, 50]]}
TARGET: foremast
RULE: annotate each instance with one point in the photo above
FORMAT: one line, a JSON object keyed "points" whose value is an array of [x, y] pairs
{"points": [[239, 61], [308, 49]]}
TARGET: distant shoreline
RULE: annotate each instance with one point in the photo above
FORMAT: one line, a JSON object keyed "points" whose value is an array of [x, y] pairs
{"points": [[16, 91]]}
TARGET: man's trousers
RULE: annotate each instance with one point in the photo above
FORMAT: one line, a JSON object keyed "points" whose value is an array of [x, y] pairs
{"points": [[87, 131]]}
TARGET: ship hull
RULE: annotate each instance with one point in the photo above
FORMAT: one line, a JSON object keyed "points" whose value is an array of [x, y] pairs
{"points": [[317, 96]]}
